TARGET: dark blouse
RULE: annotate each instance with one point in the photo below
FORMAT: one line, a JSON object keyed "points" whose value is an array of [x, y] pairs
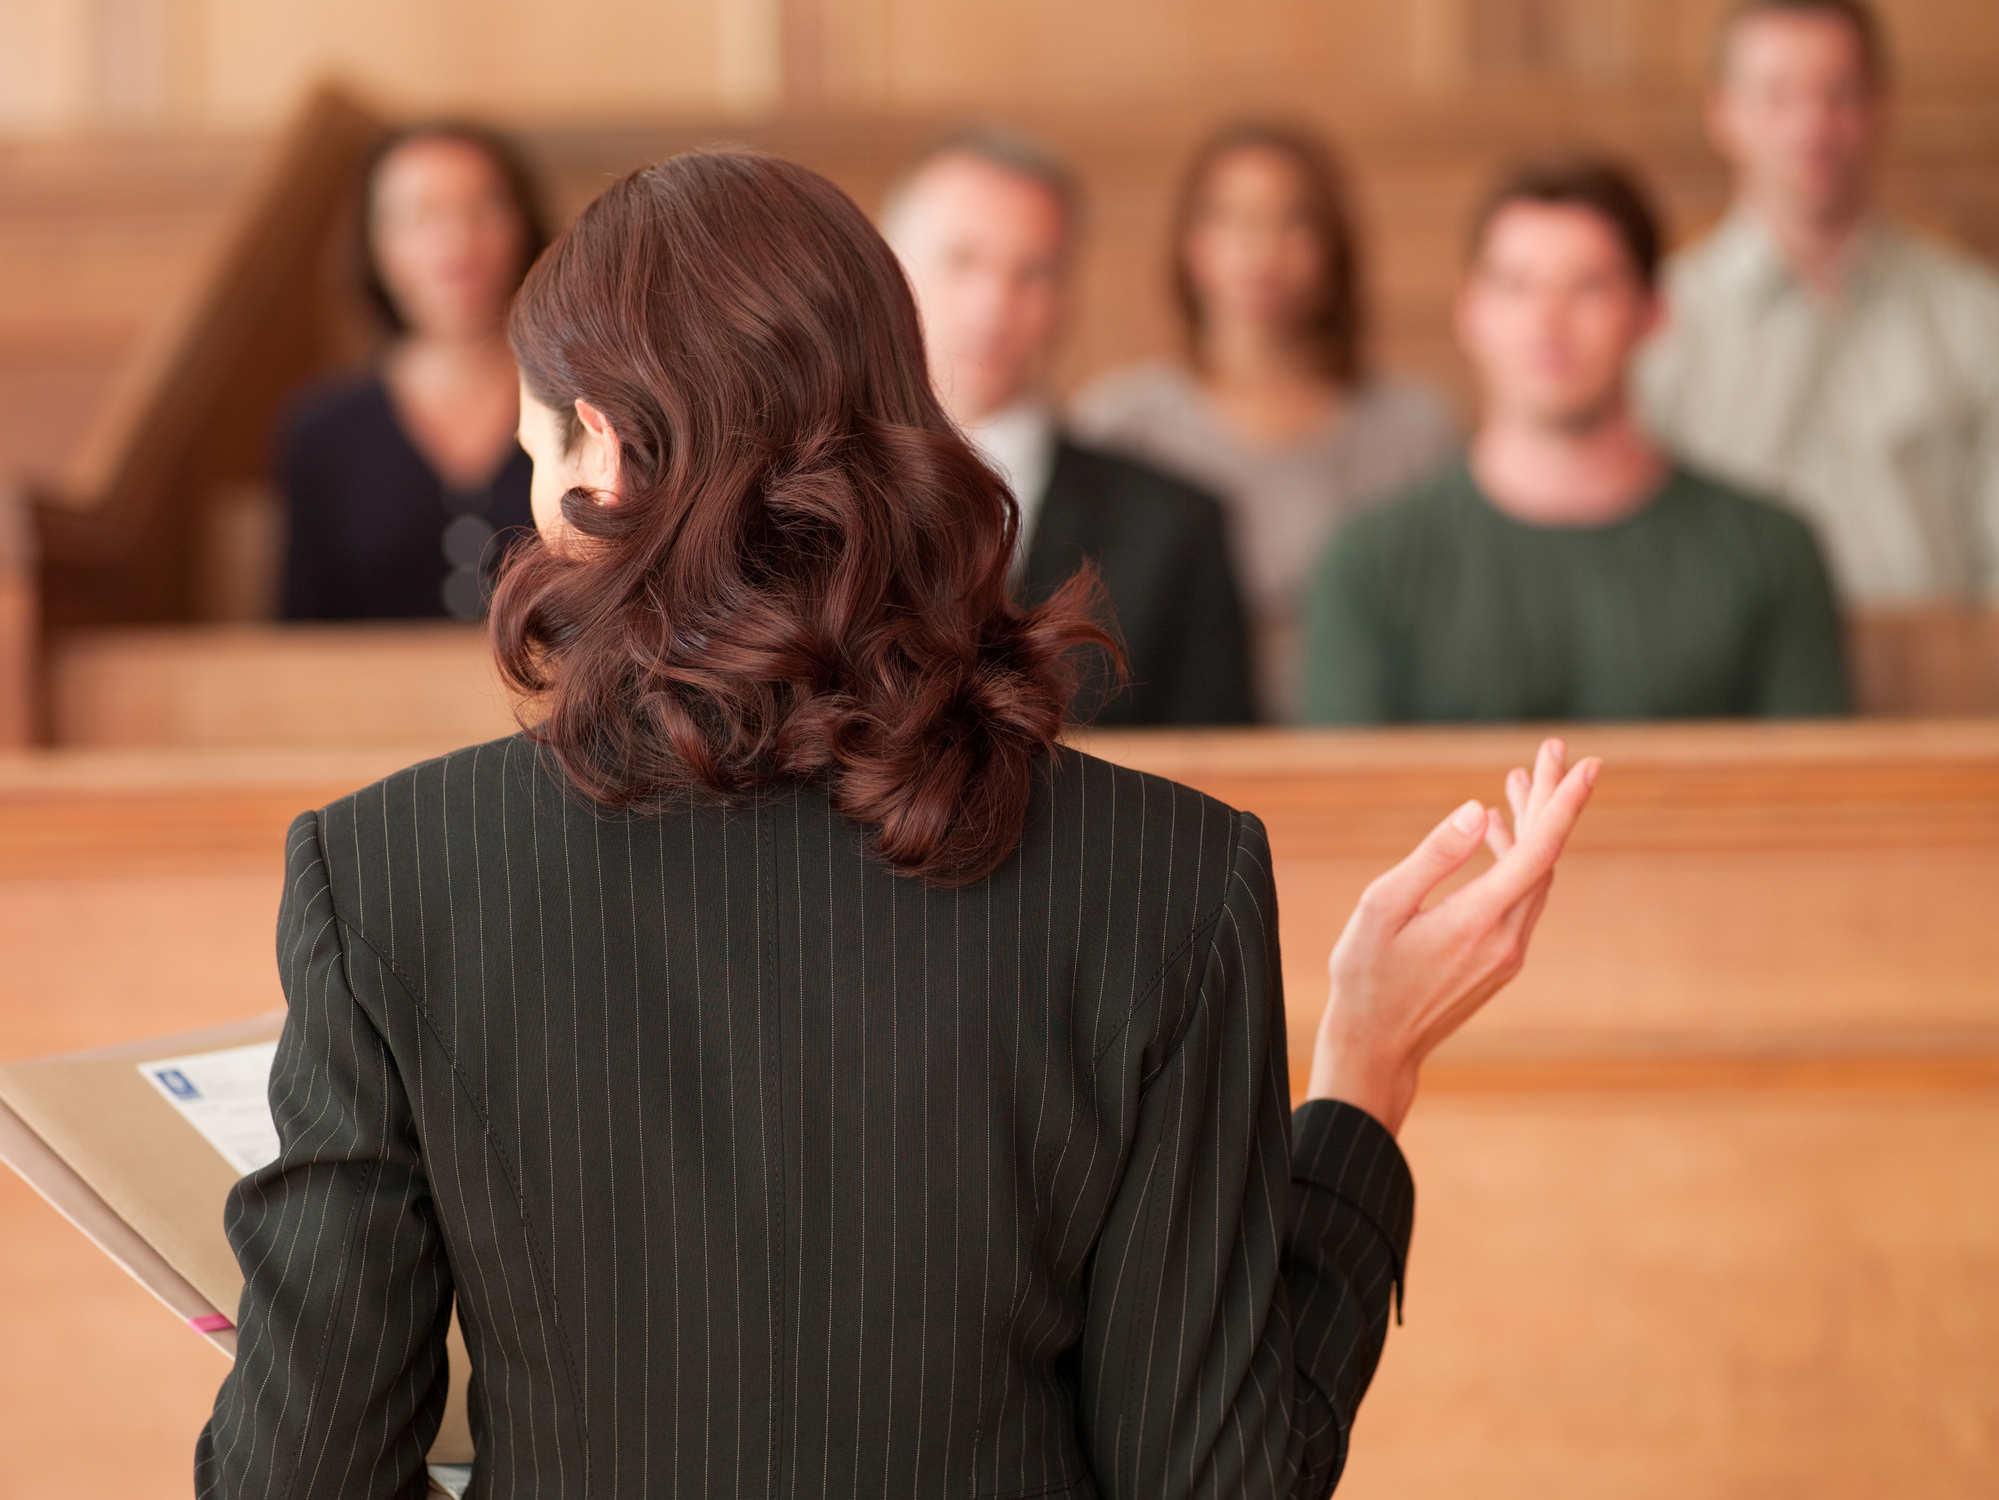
{"points": [[375, 532]]}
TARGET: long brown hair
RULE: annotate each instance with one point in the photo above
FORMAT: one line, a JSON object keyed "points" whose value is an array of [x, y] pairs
{"points": [[1335, 321], [806, 576]]}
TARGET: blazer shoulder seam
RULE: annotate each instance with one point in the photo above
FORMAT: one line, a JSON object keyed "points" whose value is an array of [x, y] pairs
{"points": [[1205, 924]]}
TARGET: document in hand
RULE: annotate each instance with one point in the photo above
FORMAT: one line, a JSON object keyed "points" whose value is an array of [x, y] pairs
{"points": [[138, 1146]]}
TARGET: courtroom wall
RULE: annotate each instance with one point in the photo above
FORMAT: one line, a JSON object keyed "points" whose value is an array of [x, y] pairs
{"points": [[68, 65]]}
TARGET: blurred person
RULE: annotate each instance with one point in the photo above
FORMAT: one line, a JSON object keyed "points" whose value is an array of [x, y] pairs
{"points": [[803, 1073], [1277, 408], [985, 223], [1816, 350], [1567, 568], [403, 484]]}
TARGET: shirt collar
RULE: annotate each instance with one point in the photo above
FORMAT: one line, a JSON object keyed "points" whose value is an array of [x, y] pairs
{"points": [[1018, 441], [1748, 257]]}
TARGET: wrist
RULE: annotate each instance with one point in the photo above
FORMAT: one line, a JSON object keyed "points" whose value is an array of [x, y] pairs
{"points": [[1383, 1091]]}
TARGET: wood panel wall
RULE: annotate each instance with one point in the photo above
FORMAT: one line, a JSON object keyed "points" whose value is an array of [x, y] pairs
{"points": [[71, 64]]}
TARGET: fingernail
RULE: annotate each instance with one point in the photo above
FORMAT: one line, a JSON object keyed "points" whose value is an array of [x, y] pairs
{"points": [[1589, 772], [1469, 818]]}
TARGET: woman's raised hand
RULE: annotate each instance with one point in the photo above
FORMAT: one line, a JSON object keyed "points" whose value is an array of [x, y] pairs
{"points": [[1403, 977]]}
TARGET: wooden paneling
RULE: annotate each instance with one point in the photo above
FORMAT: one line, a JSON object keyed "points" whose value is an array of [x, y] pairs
{"points": [[80, 63], [1928, 661], [191, 408], [1776, 893], [1709, 1201], [99, 240], [269, 686], [1784, 893], [247, 686], [1718, 1292], [20, 622]]}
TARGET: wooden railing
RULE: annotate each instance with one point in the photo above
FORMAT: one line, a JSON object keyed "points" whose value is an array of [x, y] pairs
{"points": [[20, 625], [1926, 661], [250, 686], [1704, 1199]]}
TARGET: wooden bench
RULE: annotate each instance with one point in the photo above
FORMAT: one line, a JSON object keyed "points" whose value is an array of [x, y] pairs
{"points": [[1706, 1199], [264, 686]]}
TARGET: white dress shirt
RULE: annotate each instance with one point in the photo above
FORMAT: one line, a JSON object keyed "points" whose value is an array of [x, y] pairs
{"points": [[1018, 442]]}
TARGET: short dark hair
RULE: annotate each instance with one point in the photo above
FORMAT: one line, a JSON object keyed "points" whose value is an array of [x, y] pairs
{"points": [[1604, 187], [1336, 324], [999, 146], [507, 161], [1864, 20]]}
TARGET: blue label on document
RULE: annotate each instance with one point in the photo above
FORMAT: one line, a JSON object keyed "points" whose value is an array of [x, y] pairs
{"points": [[175, 1082]]}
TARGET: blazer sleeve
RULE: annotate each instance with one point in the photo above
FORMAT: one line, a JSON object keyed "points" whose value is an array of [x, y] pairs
{"points": [[339, 1382], [1239, 1296]]}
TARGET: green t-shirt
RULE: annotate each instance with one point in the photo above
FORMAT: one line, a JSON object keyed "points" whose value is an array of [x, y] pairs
{"points": [[1440, 608]]}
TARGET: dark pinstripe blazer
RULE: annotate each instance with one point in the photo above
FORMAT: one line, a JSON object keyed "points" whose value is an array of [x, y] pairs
{"points": [[757, 1170]]}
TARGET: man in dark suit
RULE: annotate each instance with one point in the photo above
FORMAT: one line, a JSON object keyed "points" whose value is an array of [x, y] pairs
{"points": [[985, 223]]}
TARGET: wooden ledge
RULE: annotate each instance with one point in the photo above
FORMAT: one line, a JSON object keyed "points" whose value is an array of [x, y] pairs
{"points": [[1841, 1062], [1821, 784], [1855, 785]]}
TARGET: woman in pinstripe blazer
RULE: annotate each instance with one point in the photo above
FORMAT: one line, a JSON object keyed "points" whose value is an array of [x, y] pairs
{"points": [[804, 1077]]}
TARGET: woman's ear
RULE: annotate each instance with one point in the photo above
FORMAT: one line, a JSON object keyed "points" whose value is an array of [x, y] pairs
{"points": [[598, 454]]}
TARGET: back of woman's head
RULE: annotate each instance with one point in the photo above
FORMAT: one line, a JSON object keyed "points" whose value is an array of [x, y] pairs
{"points": [[805, 574]]}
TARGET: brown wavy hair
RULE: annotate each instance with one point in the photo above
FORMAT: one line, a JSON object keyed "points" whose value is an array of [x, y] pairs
{"points": [[806, 575], [1335, 324]]}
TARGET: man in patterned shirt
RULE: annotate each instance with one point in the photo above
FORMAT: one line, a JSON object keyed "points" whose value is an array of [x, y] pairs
{"points": [[1819, 353]]}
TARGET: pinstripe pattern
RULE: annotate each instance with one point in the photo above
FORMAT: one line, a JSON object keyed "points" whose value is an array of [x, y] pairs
{"points": [[759, 1171]]}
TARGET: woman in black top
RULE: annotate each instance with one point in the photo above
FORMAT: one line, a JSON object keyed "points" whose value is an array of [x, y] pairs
{"points": [[405, 484], [804, 1075]]}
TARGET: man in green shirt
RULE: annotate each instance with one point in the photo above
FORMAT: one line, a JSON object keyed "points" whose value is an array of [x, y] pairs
{"points": [[1565, 568]]}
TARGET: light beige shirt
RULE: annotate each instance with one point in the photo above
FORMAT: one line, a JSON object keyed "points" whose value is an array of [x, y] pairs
{"points": [[1874, 412]]}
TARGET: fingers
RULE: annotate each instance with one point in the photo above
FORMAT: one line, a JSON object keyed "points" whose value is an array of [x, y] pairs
{"points": [[1518, 785], [1396, 896], [1550, 763], [1498, 837], [1539, 845]]}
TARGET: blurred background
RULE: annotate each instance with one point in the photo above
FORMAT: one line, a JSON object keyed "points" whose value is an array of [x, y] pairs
{"points": [[1724, 1220], [176, 181]]}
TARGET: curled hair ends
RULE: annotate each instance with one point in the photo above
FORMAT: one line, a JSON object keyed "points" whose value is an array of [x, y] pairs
{"points": [[806, 575]]}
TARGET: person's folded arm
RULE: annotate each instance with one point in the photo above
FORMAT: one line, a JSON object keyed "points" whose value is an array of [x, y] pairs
{"points": [[340, 1375], [1238, 1303]]}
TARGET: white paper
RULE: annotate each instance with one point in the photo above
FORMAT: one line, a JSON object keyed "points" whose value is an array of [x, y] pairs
{"points": [[224, 1095]]}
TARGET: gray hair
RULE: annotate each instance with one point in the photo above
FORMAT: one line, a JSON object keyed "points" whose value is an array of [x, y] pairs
{"points": [[999, 146]]}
